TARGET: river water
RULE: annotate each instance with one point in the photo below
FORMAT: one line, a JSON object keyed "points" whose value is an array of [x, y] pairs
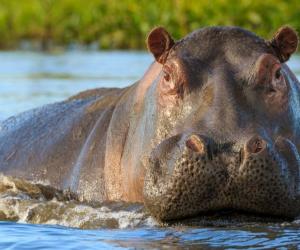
{"points": [[35, 216]]}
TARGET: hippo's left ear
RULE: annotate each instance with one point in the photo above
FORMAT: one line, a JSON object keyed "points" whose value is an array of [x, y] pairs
{"points": [[285, 43], [159, 42]]}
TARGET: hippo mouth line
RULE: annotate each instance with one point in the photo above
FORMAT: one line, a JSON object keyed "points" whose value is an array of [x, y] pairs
{"points": [[227, 217], [197, 177]]}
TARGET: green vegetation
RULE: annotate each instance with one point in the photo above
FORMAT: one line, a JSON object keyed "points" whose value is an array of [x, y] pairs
{"points": [[125, 23]]}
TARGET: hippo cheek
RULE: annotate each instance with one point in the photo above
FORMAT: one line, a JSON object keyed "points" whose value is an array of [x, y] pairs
{"points": [[268, 179], [186, 183]]}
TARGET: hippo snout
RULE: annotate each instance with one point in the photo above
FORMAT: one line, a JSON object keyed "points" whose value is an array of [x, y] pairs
{"points": [[191, 174]]}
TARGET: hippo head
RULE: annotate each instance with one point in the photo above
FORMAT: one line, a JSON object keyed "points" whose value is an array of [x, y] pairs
{"points": [[228, 115]]}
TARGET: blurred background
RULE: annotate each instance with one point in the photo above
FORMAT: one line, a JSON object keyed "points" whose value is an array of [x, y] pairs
{"points": [[124, 24], [51, 49]]}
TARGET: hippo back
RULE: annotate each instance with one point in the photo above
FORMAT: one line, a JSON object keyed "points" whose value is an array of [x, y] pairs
{"points": [[60, 143]]}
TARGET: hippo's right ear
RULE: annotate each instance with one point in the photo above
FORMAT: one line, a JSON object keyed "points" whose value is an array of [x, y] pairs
{"points": [[159, 42], [285, 43]]}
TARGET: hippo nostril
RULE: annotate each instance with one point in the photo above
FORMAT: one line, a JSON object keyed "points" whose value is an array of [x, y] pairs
{"points": [[196, 144], [255, 145]]}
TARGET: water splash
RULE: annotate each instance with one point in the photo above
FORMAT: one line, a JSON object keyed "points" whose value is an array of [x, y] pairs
{"points": [[37, 203]]}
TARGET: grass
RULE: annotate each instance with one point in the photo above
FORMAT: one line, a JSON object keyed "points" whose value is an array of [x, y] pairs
{"points": [[124, 24]]}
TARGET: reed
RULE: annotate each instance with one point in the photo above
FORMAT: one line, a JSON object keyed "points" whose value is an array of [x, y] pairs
{"points": [[124, 24]]}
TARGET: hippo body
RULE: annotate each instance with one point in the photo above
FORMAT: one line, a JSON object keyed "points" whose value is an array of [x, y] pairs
{"points": [[212, 125]]}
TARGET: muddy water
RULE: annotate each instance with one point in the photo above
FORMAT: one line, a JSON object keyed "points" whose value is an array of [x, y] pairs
{"points": [[36, 216]]}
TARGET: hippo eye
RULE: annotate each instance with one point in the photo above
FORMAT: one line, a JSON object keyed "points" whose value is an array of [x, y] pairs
{"points": [[278, 74], [167, 73], [167, 76]]}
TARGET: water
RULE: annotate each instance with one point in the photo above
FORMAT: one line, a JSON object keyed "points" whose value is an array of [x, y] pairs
{"points": [[48, 218], [29, 80], [49, 237]]}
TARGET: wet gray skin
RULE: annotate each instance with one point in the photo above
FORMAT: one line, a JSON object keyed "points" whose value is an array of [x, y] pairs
{"points": [[212, 125]]}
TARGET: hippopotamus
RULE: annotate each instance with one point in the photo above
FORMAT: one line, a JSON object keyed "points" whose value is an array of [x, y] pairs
{"points": [[212, 125]]}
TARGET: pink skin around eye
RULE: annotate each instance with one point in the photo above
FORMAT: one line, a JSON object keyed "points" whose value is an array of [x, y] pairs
{"points": [[275, 94], [169, 84], [265, 68], [167, 72], [167, 76], [278, 81], [277, 68], [278, 99]]}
